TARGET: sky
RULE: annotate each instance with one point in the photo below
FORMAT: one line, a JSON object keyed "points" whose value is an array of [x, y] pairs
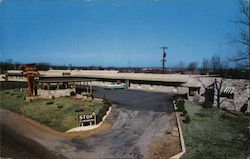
{"points": [[118, 33]]}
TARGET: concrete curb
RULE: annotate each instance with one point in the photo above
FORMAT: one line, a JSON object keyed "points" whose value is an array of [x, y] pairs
{"points": [[86, 128], [177, 156]]}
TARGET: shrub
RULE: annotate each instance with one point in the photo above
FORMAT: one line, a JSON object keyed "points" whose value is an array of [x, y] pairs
{"points": [[102, 112], [187, 119], [19, 96], [184, 113], [59, 106], [106, 107], [72, 93], [224, 108], [100, 115], [223, 116], [197, 98], [207, 105], [243, 109], [50, 102], [106, 102], [180, 105], [79, 110]]}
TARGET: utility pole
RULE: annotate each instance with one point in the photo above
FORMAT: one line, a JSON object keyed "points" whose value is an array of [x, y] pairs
{"points": [[129, 63], [164, 48]]}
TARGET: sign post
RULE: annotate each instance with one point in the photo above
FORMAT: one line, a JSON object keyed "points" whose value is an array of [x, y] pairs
{"points": [[30, 72], [87, 118]]}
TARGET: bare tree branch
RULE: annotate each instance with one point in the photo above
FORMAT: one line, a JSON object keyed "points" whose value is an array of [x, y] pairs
{"points": [[218, 87], [243, 37]]}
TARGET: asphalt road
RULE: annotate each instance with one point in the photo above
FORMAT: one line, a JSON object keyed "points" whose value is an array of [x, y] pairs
{"points": [[138, 119]]}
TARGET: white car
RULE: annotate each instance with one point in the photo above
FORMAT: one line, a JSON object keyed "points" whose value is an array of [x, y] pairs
{"points": [[116, 86]]}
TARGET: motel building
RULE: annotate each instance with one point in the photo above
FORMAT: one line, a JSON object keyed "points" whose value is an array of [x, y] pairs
{"points": [[64, 83], [60, 87], [58, 83]]}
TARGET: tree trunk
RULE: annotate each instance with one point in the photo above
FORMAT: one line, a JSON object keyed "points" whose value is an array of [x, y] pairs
{"points": [[218, 100], [218, 86]]}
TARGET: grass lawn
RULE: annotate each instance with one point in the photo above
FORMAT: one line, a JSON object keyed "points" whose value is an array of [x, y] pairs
{"points": [[215, 134], [59, 114]]}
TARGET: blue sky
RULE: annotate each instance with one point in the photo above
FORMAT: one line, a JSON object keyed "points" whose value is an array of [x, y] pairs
{"points": [[114, 32]]}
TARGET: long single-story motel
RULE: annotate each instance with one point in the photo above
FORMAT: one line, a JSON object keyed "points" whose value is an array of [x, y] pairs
{"points": [[57, 83], [63, 82]]}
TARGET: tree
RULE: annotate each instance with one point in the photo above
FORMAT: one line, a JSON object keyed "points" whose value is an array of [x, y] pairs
{"points": [[43, 66], [192, 66], [218, 87], [205, 66], [215, 64], [9, 65], [181, 66], [243, 38], [70, 67]]}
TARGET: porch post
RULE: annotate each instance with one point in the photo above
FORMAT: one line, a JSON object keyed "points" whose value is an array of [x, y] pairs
{"points": [[57, 85]]}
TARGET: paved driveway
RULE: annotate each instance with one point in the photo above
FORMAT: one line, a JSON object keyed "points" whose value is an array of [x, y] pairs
{"points": [[138, 119]]}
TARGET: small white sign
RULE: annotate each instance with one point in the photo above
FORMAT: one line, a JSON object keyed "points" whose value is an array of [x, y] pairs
{"points": [[87, 118]]}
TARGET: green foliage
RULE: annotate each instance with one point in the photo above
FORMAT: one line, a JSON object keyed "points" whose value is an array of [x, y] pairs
{"points": [[187, 119], [9, 65], [43, 66], [72, 93], [50, 102], [207, 105], [79, 110], [214, 134], [180, 105], [102, 112], [58, 114], [106, 102], [59, 106], [7, 85], [184, 113]]}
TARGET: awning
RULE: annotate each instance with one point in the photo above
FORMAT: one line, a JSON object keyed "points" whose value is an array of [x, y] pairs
{"points": [[51, 80], [191, 84], [228, 90]]}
